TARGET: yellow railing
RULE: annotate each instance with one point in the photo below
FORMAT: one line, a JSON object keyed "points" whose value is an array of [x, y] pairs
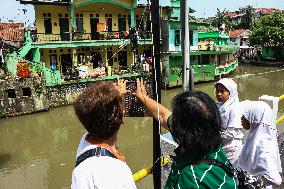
{"points": [[148, 170], [280, 119], [281, 97]]}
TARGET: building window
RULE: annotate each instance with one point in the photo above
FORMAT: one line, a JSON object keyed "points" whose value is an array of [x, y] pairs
{"points": [[48, 25], [110, 58], [79, 25], [108, 24], [27, 91], [149, 26], [81, 58], [11, 93], [191, 37], [121, 24], [1, 94], [122, 59], [193, 58], [129, 22], [177, 37]]}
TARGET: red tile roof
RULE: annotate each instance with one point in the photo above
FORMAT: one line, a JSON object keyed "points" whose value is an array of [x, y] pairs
{"points": [[267, 10], [231, 14], [237, 33]]}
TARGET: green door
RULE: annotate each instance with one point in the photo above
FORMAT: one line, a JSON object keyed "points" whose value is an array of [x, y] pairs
{"points": [[64, 29]]}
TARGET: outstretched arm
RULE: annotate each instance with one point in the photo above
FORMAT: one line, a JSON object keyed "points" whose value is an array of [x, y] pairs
{"points": [[158, 111]]}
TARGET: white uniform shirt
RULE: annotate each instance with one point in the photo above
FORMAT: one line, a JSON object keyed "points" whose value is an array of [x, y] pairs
{"points": [[100, 172], [260, 155], [231, 122]]}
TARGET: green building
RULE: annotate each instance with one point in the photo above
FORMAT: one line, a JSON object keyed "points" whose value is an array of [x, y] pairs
{"points": [[210, 54]]}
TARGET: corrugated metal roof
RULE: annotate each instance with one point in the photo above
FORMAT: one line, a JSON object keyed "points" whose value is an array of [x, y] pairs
{"points": [[46, 2], [12, 31]]}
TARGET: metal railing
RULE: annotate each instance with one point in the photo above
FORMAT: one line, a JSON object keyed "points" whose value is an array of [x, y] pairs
{"points": [[84, 36], [280, 119], [149, 170]]}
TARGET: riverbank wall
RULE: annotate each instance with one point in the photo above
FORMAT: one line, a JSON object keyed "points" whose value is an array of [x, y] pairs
{"points": [[267, 63], [28, 95]]}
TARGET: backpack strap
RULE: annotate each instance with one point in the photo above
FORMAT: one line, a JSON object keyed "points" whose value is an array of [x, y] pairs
{"points": [[98, 151], [229, 170]]}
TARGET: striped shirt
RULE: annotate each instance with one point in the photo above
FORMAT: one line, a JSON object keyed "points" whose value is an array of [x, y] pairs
{"points": [[199, 175]]}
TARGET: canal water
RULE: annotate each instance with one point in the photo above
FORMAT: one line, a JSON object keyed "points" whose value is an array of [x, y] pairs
{"points": [[37, 151]]}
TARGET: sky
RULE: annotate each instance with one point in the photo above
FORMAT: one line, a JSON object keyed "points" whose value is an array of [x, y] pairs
{"points": [[12, 9]]}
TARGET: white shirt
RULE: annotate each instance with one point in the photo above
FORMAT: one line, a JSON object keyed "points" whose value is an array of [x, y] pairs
{"points": [[231, 122], [100, 172], [260, 155]]}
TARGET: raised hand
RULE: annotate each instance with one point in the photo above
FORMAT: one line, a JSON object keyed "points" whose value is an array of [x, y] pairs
{"points": [[121, 86], [141, 89]]}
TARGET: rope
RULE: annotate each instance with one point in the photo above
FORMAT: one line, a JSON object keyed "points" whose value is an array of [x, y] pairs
{"points": [[257, 74], [138, 28]]}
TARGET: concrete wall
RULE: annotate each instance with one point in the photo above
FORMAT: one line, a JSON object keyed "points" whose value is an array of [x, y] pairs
{"points": [[22, 96]]}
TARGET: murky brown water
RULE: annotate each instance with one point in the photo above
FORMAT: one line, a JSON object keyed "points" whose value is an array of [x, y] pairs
{"points": [[37, 151]]}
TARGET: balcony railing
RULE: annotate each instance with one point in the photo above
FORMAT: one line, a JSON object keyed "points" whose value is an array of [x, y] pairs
{"points": [[226, 47], [213, 47], [79, 36]]}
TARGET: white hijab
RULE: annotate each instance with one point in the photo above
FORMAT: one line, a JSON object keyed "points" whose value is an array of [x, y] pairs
{"points": [[260, 154], [226, 108]]}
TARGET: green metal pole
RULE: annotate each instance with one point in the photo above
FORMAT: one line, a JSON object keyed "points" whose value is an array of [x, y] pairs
{"points": [[72, 15]]}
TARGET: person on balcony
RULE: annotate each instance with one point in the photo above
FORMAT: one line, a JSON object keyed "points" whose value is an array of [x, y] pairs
{"points": [[83, 71], [100, 63]]}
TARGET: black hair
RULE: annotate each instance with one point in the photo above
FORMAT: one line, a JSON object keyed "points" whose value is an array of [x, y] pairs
{"points": [[196, 123]]}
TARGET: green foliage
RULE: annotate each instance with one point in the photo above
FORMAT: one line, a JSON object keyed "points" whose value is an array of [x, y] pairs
{"points": [[247, 18], [269, 31], [221, 18]]}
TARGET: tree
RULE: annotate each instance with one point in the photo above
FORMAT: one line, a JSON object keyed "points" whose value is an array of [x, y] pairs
{"points": [[247, 17], [220, 19], [269, 31]]}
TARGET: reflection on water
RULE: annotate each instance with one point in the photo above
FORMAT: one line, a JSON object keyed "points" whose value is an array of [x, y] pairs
{"points": [[38, 150]]}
